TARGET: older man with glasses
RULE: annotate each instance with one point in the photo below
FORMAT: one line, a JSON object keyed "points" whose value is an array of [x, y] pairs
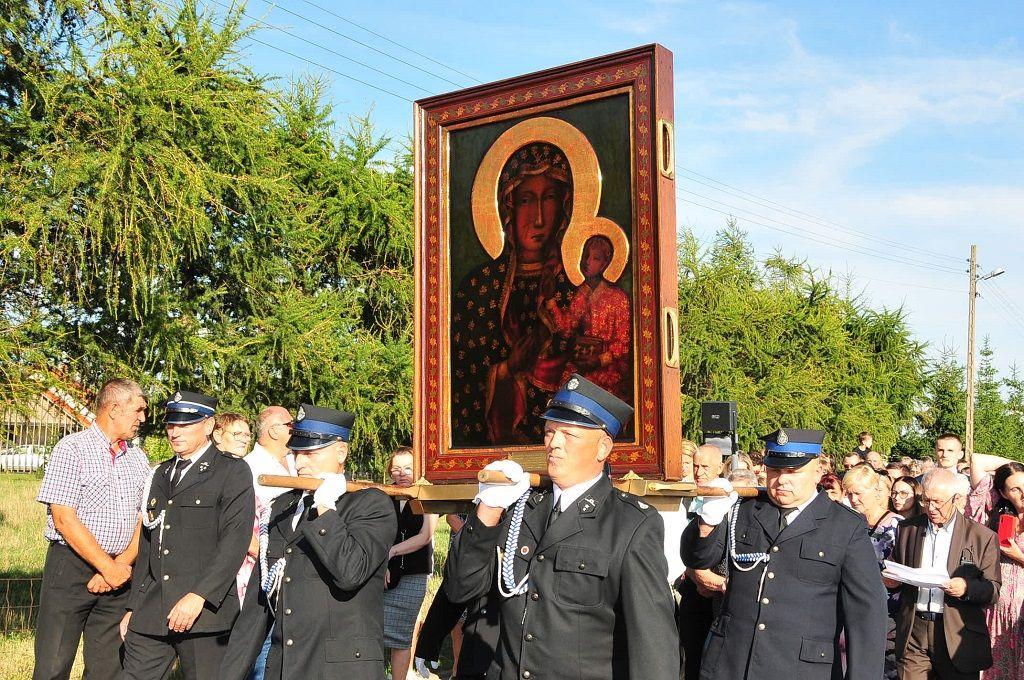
{"points": [[941, 632]]}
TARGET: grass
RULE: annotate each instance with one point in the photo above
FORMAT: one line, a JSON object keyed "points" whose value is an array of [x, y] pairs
{"points": [[22, 521]]}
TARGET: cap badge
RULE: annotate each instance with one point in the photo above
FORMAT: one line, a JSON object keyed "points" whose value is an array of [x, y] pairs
{"points": [[152, 502], [301, 415], [177, 397], [572, 384], [525, 550], [782, 439], [588, 504]]}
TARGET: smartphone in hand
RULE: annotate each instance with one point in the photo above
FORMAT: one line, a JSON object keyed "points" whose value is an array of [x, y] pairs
{"points": [[1007, 529]]}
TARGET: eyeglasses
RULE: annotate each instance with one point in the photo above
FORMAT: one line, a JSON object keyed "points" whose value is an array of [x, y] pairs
{"points": [[932, 503], [241, 435], [400, 470], [902, 494]]}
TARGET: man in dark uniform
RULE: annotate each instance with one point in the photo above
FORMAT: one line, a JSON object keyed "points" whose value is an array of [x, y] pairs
{"points": [[327, 554], [580, 567], [198, 517], [801, 569]]}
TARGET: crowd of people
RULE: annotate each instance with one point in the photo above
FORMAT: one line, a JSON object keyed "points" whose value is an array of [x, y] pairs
{"points": [[197, 561]]}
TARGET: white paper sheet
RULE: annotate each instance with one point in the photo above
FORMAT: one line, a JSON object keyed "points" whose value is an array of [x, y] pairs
{"points": [[922, 578]]}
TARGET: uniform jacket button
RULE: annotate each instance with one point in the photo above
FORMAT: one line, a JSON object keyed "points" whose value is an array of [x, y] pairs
{"points": [[535, 596], [771, 574], [483, 610], [198, 501], [775, 548], [289, 642], [526, 675], [287, 579], [765, 601], [166, 551], [529, 637], [287, 612], [166, 577], [323, 532], [358, 655], [170, 501], [583, 565], [821, 554], [760, 626], [287, 551]]}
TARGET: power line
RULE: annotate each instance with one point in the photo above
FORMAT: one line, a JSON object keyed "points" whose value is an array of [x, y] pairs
{"points": [[807, 236], [908, 283], [397, 44], [322, 47], [326, 68], [794, 212], [864, 250], [360, 42], [1002, 310]]}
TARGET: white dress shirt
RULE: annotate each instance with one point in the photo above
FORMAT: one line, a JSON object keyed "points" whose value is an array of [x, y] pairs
{"points": [[791, 517], [935, 554], [566, 497], [675, 521], [192, 463]]}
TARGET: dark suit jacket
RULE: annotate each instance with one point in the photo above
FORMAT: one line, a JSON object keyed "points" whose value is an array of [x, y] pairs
{"points": [[206, 531], [330, 604], [973, 556], [598, 604], [782, 621]]}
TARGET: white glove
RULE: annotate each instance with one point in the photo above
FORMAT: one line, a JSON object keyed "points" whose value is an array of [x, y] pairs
{"points": [[422, 668], [503, 495], [332, 488], [715, 508]]}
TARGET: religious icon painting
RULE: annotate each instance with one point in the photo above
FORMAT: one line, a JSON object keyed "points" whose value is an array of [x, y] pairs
{"points": [[545, 246]]}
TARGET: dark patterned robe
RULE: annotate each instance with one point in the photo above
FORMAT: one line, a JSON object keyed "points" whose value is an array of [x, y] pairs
{"points": [[493, 313]]}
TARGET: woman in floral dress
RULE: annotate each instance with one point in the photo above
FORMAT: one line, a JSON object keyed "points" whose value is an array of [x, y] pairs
{"points": [[998, 489]]}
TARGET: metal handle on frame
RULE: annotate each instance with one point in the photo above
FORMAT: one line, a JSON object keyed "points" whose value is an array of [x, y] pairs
{"points": [[666, 144], [670, 336]]}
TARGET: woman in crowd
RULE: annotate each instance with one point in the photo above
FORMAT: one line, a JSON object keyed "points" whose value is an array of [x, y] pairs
{"points": [[410, 563], [231, 434], [737, 461], [867, 492], [904, 497], [998, 490]]}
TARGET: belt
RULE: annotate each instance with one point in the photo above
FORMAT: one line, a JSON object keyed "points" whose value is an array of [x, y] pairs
{"points": [[929, 616]]}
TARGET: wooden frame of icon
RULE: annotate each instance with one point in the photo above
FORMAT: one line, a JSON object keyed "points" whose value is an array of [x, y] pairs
{"points": [[546, 247]]}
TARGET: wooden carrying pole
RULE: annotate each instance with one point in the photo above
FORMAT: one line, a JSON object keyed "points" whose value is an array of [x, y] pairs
{"points": [[312, 484], [498, 477]]}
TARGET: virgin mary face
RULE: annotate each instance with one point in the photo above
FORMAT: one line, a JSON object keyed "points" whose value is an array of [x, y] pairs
{"points": [[537, 211]]}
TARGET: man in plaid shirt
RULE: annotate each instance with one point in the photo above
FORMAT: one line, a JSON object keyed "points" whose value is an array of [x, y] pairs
{"points": [[92, 489]]}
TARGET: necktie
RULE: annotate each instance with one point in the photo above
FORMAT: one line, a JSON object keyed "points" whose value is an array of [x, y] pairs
{"points": [[556, 510], [180, 466], [307, 503], [784, 514]]}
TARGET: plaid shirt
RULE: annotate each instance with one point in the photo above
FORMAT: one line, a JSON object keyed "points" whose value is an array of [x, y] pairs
{"points": [[105, 494]]}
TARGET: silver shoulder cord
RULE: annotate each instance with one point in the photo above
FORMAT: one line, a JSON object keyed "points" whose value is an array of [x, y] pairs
{"points": [[157, 521], [751, 559], [507, 586]]}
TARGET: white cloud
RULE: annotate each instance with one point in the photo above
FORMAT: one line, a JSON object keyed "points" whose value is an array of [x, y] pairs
{"points": [[899, 36]]}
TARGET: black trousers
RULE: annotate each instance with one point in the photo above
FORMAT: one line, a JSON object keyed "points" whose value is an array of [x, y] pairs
{"points": [[694, 617], [67, 610], [149, 657]]}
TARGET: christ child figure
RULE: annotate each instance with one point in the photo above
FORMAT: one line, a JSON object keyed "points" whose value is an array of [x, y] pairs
{"points": [[599, 319]]}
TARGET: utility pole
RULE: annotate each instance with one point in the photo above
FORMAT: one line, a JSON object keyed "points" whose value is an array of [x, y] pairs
{"points": [[973, 295]]}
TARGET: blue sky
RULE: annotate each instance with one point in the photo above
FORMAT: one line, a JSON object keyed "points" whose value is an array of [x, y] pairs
{"points": [[899, 127]]}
